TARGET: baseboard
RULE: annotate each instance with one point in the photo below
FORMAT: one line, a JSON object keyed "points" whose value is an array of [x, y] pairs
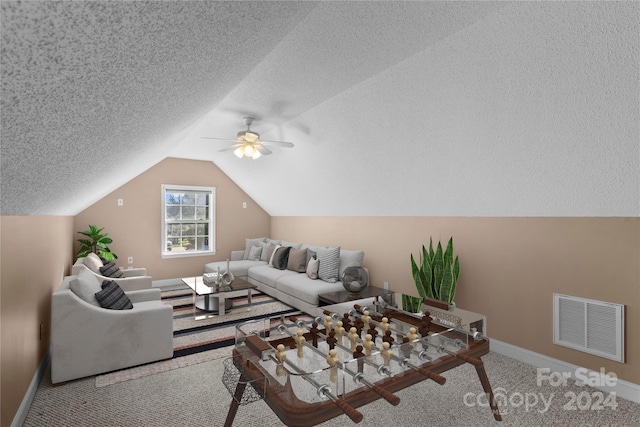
{"points": [[23, 410], [624, 389]]}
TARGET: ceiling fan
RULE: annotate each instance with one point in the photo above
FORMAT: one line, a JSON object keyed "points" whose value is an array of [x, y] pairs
{"points": [[248, 142]]}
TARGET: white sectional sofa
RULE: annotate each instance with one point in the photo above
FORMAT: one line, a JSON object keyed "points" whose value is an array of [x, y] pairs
{"points": [[290, 285]]}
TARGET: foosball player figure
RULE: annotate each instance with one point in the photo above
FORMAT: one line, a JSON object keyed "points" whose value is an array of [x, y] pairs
{"points": [[280, 356], [328, 324], [386, 353], [373, 332], [368, 344], [365, 319], [359, 355], [359, 324], [412, 335], [346, 321], [405, 348], [331, 340], [314, 334], [426, 320], [387, 337], [423, 329], [339, 330], [353, 337], [384, 324], [300, 340], [332, 360]]}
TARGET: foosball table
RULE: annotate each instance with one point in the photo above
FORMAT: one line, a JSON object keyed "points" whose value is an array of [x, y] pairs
{"points": [[312, 369]]}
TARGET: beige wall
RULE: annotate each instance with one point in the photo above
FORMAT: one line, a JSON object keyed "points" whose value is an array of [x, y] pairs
{"points": [[136, 230], [510, 268], [35, 255]]}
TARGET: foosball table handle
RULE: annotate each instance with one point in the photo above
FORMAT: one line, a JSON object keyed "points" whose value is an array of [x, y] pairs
{"points": [[352, 413], [432, 375], [468, 359], [389, 397]]}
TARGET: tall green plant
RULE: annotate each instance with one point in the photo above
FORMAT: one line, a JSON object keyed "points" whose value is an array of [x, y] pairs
{"points": [[437, 274], [96, 243]]}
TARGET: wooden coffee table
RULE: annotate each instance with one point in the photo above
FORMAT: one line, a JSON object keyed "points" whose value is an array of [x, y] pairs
{"points": [[214, 300]]}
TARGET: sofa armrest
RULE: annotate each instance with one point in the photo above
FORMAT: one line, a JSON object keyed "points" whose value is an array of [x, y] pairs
{"points": [[237, 255], [134, 272], [144, 295]]}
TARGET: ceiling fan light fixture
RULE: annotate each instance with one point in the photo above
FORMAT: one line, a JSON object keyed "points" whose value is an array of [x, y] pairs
{"points": [[239, 152]]}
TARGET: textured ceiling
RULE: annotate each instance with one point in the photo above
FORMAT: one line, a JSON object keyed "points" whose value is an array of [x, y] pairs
{"points": [[396, 108]]}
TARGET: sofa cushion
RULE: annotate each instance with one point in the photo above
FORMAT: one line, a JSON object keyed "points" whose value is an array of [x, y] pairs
{"points": [[297, 260], [300, 286], [113, 297], [249, 243], [273, 242], [350, 258], [85, 285], [268, 275], [293, 245], [329, 267], [110, 269], [312, 268], [254, 253], [281, 257], [93, 262], [238, 268], [311, 254]]}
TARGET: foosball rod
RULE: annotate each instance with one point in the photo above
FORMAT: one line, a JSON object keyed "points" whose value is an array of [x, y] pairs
{"points": [[424, 340], [476, 335], [324, 390], [357, 376], [405, 362]]}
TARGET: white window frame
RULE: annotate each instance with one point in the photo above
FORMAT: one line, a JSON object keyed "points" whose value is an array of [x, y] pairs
{"points": [[211, 249]]}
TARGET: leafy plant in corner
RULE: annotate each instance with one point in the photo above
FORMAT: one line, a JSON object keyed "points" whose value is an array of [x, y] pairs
{"points": [[437, 274], [96, 243]]}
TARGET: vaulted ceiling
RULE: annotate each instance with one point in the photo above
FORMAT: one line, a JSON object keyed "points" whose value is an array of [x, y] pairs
{"points": [[395, 108]]}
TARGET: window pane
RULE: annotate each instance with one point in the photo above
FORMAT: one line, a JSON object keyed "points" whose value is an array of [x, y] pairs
{"points": [[202, 212], [188, 212], [203, 229], [173, 199], [173, 212], [188, 199], [203, 243], [173, 230], [202, 199], [188, 229], [189, 244]]}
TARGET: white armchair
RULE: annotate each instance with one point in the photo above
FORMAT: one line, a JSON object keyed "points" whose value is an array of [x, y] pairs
{"points": [[133, 278], [87, 339]]}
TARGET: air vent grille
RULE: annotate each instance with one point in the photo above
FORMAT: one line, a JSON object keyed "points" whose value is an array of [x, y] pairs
{"points": [[595, 327]]}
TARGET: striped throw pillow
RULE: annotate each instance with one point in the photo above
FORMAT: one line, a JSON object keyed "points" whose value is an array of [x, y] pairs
{"points": [[329, 259], [110, 269], [113, 297]]}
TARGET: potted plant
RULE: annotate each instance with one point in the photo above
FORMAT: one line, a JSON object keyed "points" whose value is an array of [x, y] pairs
{"points": [[96, 243], [437, 274]]}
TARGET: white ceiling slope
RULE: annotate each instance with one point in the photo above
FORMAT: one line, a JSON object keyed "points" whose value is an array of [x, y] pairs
{"points": [[396, 108]]}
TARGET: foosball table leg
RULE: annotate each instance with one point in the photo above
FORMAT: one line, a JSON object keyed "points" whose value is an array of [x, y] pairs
{"points": [[486, 386], [235, 402]]}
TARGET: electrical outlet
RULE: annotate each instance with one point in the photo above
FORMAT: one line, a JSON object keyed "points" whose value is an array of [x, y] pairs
{"points": [[130, 260], [120, 202], [386, 286], [244, 205]]}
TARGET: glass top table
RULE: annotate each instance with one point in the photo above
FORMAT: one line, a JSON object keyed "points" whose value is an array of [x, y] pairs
{"points": [[215, 297], [330, 298]]}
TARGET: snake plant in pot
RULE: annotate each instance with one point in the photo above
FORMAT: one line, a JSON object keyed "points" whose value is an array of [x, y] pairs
{"points": [[437, 274], [97, 243]]}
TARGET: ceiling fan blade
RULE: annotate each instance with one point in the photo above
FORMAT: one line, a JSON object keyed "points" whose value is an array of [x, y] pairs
{"points": [[279, 143], [231, 147], [262, 149]]}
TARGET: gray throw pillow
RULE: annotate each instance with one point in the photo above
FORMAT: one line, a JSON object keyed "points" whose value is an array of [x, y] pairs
{"points": [[329, 264], [85, 286], [280, 257], [113, 297], [297, 260], [312, 268], [254, 253], [265, 254], [249, 243]]}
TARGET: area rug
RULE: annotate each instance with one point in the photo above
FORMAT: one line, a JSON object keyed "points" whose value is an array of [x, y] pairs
{"points": [[197, 341]]}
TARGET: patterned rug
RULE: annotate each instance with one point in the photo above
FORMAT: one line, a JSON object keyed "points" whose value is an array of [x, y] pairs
{"points": [[196, 341]]}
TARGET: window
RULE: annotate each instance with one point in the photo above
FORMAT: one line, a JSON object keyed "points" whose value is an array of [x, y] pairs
{"points": [[188, 225]]}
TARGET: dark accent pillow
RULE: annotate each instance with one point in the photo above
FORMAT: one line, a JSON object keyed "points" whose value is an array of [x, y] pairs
{"points": [[280, 257], [113, 297], [297, 260], [110, 269]]}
